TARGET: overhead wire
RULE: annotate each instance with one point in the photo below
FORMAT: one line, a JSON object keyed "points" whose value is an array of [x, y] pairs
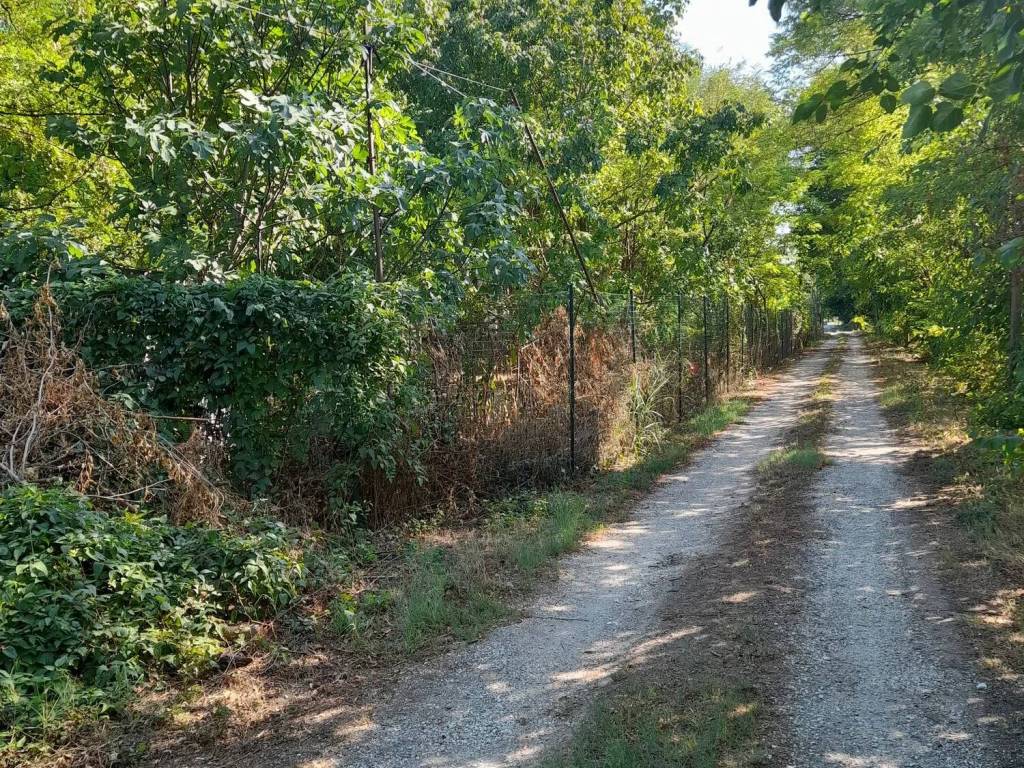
{"points": [[426, 72], [464, 79]]}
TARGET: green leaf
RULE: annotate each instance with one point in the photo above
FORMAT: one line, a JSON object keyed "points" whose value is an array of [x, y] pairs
{"points": [[920, 120], [957, 87], [806, 108], [918, 94], [1007, 82], [872, 83], [947, 116], [1011, 252], [837, 92], [888, 102]]}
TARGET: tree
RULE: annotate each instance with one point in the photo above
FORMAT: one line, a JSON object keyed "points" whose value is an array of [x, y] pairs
{"points": [[909, 137]]}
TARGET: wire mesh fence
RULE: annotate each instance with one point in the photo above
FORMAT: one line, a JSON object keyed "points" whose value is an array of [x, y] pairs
{"points": [[534, 393]]}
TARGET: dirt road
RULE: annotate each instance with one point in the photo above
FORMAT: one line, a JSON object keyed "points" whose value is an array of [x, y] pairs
{"points": [[878, 677], [503, 700], [874, 676]]}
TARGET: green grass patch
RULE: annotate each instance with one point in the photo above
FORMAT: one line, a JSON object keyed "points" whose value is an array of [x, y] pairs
{"points": [[643, 474], [717, 417], [659, 729], [440, 599], [806, 458], [561, 530], [905, 398]]}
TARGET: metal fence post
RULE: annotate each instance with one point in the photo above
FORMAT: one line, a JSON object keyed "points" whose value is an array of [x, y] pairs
{"points": [[790, 338], [679, 358], [743, 339], [728, 346], [780, 324], [572, 379], [707, 356], [755, 338], [632, 324]]}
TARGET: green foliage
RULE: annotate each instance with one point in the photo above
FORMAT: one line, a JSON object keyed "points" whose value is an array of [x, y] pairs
{"points": [[979, 41], [228, 164], [91, 601], [353, 614], [29, 255], [227, 141], [278, 365], [1009, 447], [910, 216], [37, 175], [240, 155]]}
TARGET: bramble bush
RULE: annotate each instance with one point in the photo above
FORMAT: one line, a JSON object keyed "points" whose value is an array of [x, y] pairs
{"points": [[90, 601]]}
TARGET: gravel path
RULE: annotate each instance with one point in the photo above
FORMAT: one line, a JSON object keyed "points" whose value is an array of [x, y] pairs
{"points": [[877, 681], [500, 701]]}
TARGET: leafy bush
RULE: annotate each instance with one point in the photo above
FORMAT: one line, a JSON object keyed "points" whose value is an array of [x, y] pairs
{"points": [[47, 250], [1008, 446], [281, 366], [862, 323], [90, 601]]}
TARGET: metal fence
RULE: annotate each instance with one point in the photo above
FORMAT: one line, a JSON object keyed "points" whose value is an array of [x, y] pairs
{"points": [[561, 383]]}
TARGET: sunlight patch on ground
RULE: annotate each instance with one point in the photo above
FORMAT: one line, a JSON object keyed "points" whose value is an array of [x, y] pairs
{"points": [[850, 761], [955, 736], [741, 597]]}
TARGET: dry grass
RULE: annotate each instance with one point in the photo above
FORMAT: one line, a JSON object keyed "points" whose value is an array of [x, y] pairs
{"points": [[499, 416]]}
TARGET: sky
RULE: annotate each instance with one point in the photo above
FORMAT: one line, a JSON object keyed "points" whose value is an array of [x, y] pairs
{"points": [[728, 32]]}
